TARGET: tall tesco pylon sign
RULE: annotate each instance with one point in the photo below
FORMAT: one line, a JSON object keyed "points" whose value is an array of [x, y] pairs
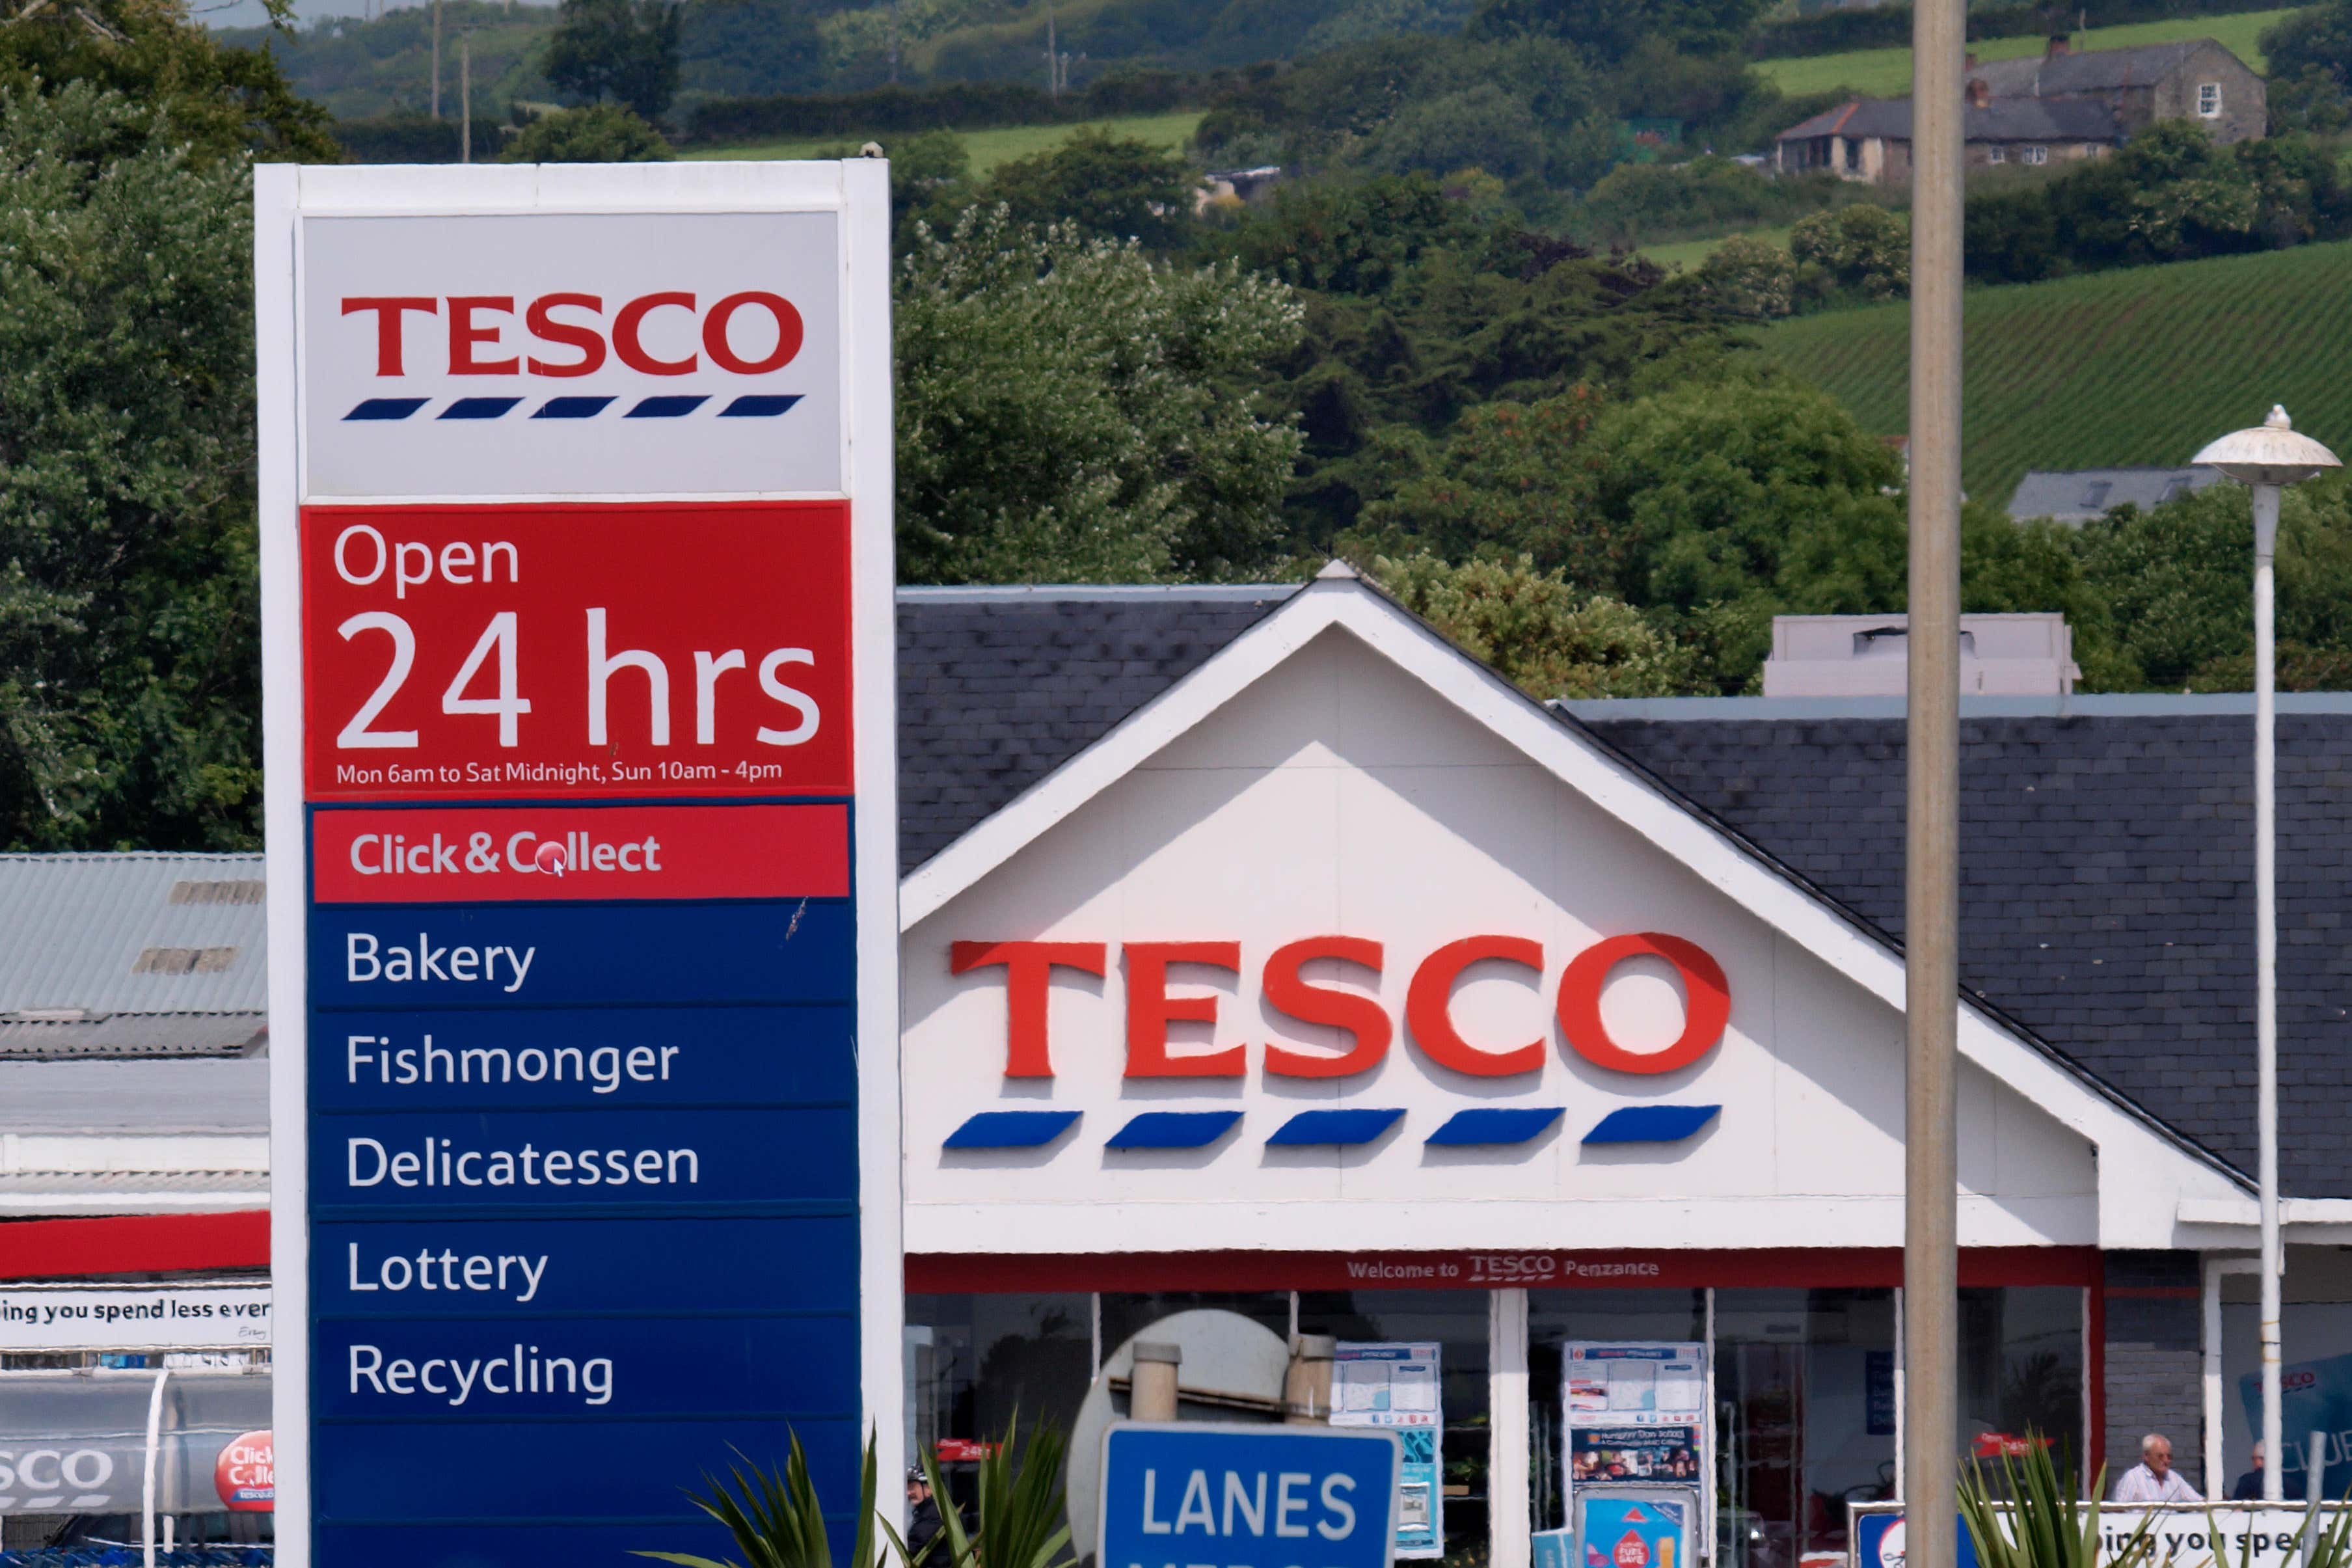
{"points": [[576, 583]]}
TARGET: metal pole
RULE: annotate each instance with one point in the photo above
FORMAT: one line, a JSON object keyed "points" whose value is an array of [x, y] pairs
{"points": [[154, 1454], [2266, 512], [1932, 826]]}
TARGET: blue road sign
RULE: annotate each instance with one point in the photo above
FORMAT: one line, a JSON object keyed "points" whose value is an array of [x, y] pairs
{"points": [[1247, 1496]]}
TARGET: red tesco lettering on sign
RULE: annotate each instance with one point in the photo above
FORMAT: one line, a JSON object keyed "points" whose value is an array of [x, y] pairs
{"points": [[1029, 973], [672, 651], [750, 332]]}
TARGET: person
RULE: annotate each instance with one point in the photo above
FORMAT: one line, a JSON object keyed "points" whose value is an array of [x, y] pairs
{"points": [[2249, 1485], [2154, 1479], [922, 1514]]}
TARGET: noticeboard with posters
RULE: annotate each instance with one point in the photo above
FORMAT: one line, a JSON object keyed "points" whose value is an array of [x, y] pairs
{"points": [[1636, 1413], [1397, 1386], [576, 589]]}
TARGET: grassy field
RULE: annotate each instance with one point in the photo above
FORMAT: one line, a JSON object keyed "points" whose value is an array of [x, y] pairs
{"points": [[1887, 72], [2130, 367], [988, 148], [1689, 253]]}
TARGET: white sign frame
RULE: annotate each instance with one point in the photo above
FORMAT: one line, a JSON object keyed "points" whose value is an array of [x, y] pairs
{"points": [[858, 192]]}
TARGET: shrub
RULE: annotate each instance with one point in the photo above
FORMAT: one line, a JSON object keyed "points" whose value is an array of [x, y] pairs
{"points": [[599, 133], [1749, 278], [1861, 250]]}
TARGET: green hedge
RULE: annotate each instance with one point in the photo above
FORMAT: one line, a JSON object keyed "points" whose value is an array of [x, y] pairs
{"points": [[415, 139], [964, 106], [1889, 27]]}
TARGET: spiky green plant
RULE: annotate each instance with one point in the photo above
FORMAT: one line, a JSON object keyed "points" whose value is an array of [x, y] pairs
{"points": [[777, 1521], [2048, 1524], [1021, 1518], [2330, 1547]]}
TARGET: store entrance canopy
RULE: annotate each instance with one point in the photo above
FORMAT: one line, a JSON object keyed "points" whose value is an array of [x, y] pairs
{"points": [[77, 1442]]}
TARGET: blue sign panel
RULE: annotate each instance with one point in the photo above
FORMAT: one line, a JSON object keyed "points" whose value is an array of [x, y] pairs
{"points": [[543, 956], [584, 1056], [1247, 1496], [639, 1160], [774, 1265], [582, 1186]]}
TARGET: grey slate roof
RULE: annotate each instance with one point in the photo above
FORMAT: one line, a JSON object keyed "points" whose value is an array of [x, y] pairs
{"points": [[2078, 495], [2107, 888], [997, 687], [2003, 120], [2089, 71]]}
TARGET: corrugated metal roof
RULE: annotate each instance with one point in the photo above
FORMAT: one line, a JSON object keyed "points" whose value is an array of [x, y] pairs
{"points": [[132, 934], [132, 1035], [2078, 495]]}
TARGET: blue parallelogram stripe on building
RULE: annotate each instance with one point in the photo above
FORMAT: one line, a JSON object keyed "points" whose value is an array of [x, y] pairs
{"points": [[1343, 1127], [1011, 1129], [1174, 1130], [1496, 1124], [571, 407], [666, 407], [479, 409], [1652, 1124], [757, 405], [387, 408]]}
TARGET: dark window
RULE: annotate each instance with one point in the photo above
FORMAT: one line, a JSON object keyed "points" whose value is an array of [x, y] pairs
{"points": [[1556, 1316], [974, 1360], [1457, 1322], [1804, 1392]]}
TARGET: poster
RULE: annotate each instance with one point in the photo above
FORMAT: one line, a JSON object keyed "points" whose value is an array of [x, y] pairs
{"points": [[1630, 1530], [1636, 1416], [1395, 1386], [2315, 1396], [1610, 1454], [1635, 1384]]}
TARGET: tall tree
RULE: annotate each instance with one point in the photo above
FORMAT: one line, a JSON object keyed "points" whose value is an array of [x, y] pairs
{"points": [[129, 671], [626, 51], [222, 101], [1070, 410]]}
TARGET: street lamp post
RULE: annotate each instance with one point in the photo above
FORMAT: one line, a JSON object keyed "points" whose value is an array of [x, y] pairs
{"points": [[2267, 457]]}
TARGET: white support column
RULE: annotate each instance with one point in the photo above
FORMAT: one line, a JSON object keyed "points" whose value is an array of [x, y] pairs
{"points": [[2216, 1478], [1509, 1444]]}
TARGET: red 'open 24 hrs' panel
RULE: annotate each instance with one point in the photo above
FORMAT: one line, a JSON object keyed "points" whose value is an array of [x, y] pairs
{"points": [[577, 651]]}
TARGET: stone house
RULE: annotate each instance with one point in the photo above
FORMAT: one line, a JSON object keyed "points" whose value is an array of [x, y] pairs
{"points": [[1870, 139], [2053, 108], [2196, 79]]}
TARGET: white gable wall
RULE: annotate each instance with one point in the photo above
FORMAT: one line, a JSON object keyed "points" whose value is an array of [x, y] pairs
{"points": [[1337, 794]]}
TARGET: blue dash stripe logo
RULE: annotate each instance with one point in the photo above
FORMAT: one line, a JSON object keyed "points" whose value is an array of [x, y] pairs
{"points": [[387, 408], [666, 407], [758, 406], [573, 408], [480, 407]]}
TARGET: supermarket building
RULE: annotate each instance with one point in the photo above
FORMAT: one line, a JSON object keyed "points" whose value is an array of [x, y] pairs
{"points": [[1261, 951]]}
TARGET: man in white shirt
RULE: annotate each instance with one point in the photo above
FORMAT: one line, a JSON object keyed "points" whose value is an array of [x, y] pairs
{"points": [[2154, 1479]]}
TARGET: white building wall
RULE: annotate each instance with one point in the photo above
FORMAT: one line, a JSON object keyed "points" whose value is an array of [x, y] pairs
{"points": [[1338, 795]]}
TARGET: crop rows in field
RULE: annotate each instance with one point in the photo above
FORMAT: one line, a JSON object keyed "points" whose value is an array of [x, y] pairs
{"points": [[2141, 366]]}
